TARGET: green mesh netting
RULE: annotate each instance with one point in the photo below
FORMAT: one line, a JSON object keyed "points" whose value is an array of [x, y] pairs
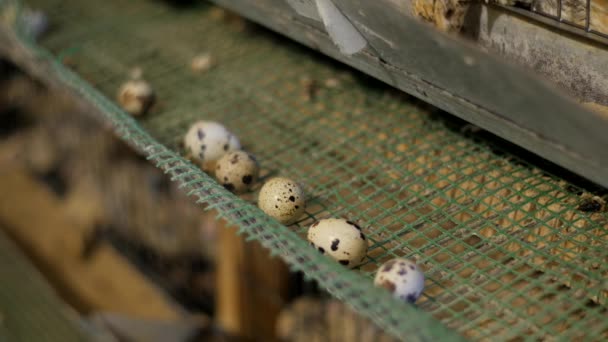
{"points": [[506, 252]]}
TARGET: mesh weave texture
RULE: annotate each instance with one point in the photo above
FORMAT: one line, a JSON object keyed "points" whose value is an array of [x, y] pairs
{"points": [[505, 249]]}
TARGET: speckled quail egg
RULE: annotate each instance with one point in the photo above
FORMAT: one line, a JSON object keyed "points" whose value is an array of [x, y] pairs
{"points": [[136, 97], [202, 62], [341, 239], [402, 277], [208, 141], [237, 171], [282, 199]]}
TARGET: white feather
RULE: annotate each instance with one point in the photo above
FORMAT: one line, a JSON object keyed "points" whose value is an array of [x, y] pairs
{"points": [[340, 29]]}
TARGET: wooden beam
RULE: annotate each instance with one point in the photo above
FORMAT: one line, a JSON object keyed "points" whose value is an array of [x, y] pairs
{"points": [[33, 217]]}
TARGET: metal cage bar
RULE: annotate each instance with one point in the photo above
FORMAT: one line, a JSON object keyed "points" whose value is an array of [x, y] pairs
{"points": [[585, 30]]}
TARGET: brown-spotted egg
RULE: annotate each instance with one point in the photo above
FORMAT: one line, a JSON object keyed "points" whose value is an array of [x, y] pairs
{"points": [[340, 239], [237, 171], [402, 277], [282, 199], [208, 141]]}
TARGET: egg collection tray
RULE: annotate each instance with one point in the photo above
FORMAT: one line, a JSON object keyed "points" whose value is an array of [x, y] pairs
{"points": [[508, 249]]}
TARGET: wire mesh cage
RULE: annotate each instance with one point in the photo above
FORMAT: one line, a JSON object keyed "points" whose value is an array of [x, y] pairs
{"points": [[509, 250], [588, 16]]}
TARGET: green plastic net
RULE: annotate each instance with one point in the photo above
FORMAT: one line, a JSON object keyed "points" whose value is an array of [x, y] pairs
{"points": [[506, 250]]}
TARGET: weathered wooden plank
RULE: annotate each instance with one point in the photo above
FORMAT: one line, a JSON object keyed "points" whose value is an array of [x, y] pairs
{"points": [[457, 77]]}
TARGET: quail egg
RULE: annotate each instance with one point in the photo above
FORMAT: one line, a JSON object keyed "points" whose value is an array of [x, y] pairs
{"points": [[136, 97], [340, 239], [237, 171], [208, 141], [282, 199], [402, 277], [202, 62]]}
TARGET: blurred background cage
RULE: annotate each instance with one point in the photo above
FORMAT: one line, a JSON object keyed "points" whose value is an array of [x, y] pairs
{"points": [[511, 233]]}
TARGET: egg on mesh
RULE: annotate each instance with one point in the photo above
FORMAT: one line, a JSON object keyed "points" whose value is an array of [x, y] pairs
{"points": [[237, 171], [136, 97], [202, 62], [208, 141], [340, 239], [282, 199], [402, 277]]}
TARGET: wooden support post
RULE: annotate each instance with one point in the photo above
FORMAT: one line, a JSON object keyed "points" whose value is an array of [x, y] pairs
{"points": [[251, 287]]}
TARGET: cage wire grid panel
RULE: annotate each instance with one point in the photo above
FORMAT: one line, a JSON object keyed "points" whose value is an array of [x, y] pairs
{"points": [[505, 249], [584, 15]]}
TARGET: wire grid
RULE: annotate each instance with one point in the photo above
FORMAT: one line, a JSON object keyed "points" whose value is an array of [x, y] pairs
{"points": [[504, 248], [588, 16]]}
